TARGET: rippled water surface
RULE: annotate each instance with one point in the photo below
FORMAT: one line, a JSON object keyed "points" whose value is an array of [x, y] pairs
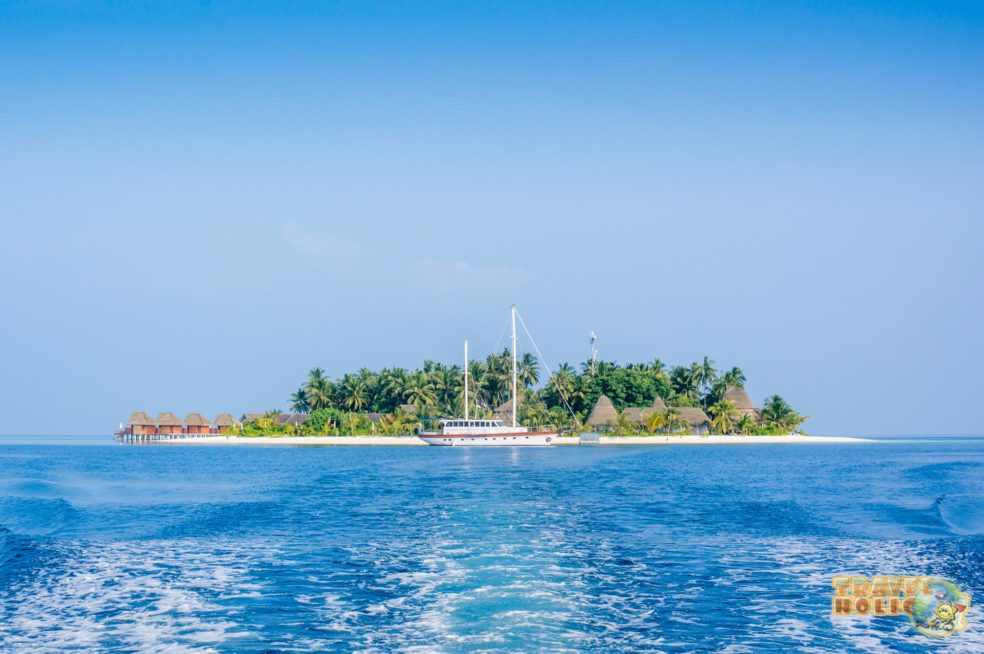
{"points": [[116, 548]]}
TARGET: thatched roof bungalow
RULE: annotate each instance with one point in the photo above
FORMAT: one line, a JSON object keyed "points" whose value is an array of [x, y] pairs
{"points": [[504, 411], [295, 419], [224, 422], [603, 414], [168, 423], [636, 414], [409, 409], [742, 401], [141, 423], [695, 418], [196, 423]]}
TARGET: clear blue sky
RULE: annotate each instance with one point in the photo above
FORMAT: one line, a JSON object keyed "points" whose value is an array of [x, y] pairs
{"points": [[201, 201]]}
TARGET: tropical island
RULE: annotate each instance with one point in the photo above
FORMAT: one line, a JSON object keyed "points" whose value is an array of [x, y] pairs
{"points": [[622, 400]]}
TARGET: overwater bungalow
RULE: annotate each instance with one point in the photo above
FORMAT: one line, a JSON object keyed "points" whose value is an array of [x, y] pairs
{"points": [[224, 422], [141, 424], [196, 423], [168, 423]]}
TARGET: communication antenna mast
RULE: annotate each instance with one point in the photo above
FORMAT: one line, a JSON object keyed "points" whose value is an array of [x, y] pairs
{"points": [[594, 351]]}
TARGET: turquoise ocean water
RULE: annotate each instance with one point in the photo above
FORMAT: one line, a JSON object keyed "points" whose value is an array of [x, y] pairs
{"points": [[117, 548]]}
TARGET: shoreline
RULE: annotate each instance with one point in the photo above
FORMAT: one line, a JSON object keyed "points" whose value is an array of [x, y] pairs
{"points": [[413, 441]]}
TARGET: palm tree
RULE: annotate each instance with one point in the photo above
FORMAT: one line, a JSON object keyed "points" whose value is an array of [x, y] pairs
{"points": [[723, 416], [451, 385], [708, 375], [674, 421], [746, 424], [528, 370], [354, 392], [535, 414], [478, 384], [392, 383], [777, 413], [654, 421], [683, 380], [398, 424], [318, 389], [560, 386], [623, 426], [733, 378], [418, 390], [299, 401]]}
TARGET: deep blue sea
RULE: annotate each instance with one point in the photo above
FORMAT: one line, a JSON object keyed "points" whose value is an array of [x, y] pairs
{"points": [[129, 548]]}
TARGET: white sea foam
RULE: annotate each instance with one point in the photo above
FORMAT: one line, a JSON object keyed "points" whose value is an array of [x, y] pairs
{"points": [[157, 596]]}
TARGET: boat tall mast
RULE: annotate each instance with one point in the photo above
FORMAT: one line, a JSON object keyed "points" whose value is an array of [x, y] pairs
{"points": [[466, 380], [515, 400]]}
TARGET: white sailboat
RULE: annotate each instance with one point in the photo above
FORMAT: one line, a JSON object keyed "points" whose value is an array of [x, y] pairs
{"points": [[488, 432]]}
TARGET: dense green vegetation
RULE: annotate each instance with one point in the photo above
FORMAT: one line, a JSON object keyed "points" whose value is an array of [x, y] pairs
{"points": [[565, 399]]}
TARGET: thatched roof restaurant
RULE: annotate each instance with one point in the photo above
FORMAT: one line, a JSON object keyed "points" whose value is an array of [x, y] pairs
{"points": [[603, 414], [659, 404]]}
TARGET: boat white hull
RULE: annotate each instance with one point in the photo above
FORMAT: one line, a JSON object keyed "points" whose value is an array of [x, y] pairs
{"points": [[516, 439]]}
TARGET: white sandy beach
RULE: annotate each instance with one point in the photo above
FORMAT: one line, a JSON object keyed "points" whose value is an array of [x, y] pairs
{"points": [[563, 440]]}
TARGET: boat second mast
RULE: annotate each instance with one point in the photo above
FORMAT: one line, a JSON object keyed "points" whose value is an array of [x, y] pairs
{"points": [[514, 399]]}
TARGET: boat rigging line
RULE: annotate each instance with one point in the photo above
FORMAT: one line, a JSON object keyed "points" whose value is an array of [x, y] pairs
{"points": [[543, 361]]}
